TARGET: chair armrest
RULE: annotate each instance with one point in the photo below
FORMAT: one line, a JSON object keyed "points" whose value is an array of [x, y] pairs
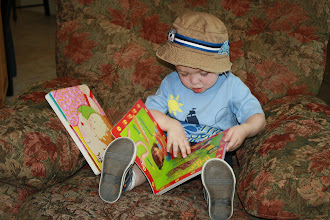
{"points": [[285, 169], [35, 149]]}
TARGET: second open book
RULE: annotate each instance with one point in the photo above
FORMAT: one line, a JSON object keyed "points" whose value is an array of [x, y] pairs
{"points": [[163, 171]]}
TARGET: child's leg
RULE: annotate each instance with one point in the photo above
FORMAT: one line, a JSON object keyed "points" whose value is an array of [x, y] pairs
{"points": [[219, 184], [117, 173], [140, 178], [229, 158]]}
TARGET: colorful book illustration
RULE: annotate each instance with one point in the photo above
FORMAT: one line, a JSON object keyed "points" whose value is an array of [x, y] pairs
{"points": [[85, 121], [163, 171]]}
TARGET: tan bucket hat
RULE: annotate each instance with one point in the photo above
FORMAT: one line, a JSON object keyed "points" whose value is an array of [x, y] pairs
{"points": [[197, 40]]}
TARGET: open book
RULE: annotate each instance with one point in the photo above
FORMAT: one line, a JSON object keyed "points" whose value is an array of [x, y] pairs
{"points": [[163, 171], [84, 120]]}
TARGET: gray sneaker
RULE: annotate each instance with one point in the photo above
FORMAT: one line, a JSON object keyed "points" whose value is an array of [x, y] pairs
{"points": [[218, 180], [117, 165]]}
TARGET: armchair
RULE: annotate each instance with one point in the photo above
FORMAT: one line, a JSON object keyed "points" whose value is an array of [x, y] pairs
{"points": [[278, 48]]}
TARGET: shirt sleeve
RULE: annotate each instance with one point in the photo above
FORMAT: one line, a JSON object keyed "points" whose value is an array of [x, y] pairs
{"points": [[159, 100], [244, 103]]}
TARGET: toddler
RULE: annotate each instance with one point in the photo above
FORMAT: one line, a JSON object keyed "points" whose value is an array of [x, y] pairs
{"points": [[202, 91]]}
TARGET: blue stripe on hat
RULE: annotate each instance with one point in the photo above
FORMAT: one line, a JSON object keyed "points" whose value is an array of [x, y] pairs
{"points": [[204, 43], [222, 48]]}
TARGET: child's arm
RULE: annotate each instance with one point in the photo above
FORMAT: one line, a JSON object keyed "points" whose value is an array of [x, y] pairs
{"points": [[176, 138], [237, 134]]}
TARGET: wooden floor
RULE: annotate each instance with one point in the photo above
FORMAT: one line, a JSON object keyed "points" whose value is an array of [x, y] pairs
{"points": [[34, 44]]}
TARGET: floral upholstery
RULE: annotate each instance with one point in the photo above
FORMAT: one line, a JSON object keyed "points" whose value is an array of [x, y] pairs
{"points": [[11, 198], [292, 157], [278, 48], [78, 198], [264, 39], [35, 150]]}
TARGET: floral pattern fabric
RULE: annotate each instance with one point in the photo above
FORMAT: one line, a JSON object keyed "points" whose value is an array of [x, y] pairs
{"points": [[78, 198], [285, 170], [278, 48], [36, 152], [11, 199], [119, 41]]}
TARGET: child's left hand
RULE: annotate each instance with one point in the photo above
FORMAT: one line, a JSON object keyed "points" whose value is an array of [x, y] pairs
{"points": [[237, 134], [235, 137]]}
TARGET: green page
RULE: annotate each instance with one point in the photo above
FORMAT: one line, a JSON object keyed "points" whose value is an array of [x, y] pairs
{"points": [[162, 170]]}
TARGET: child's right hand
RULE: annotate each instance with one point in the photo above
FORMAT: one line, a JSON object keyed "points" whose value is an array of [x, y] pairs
{"points": [[177, 140]]}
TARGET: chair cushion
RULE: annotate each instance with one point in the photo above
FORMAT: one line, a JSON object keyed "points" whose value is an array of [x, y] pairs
{"points": [[78, 198], [11, 199]]}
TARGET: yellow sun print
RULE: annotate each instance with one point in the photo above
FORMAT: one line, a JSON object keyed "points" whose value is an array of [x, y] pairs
{"points": [[174, 105]]}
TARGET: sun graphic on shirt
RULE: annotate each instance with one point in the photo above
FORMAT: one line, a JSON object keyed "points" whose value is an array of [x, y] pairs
{"points": [[174, 105]]}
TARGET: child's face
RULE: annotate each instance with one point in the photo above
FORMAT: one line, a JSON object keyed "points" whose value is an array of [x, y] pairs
{"points": [[196, 79]]}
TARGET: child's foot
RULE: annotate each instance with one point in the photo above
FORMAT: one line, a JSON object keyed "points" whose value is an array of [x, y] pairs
{"points": [[116, 174], [219, 186]]}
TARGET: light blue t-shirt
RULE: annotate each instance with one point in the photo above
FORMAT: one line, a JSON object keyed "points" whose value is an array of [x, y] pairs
{"points": [[229, 102]]}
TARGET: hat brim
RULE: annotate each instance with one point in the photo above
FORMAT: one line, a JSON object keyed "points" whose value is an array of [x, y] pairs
{"points": [[181, 55]]}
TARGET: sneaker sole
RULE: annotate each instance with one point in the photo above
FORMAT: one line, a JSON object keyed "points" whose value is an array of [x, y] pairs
{"points": [[219, 182], [118, 158]]}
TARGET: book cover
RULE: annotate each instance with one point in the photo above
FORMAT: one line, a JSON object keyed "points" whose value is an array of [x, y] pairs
{"points": [[163, 171], [85, 121]]}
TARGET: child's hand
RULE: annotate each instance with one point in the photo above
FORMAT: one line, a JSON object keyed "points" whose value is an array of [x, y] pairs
{"points": [[237, 134], [177, 140], [235, 137]]}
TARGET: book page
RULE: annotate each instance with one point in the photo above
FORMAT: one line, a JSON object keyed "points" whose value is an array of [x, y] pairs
{"points": [[159, 166]]}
